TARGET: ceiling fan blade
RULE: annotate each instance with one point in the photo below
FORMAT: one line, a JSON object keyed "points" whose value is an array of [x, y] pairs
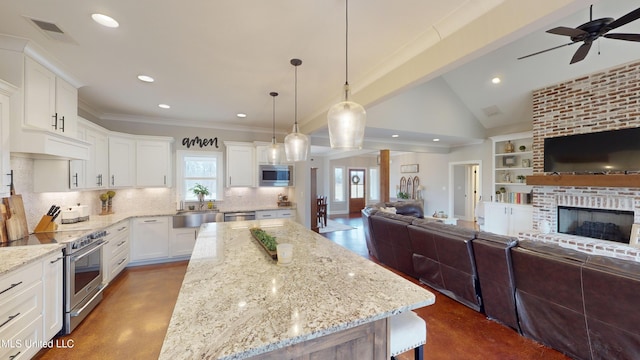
{"points": [[543, 51], [567, 31], [627, 37], [581, 53], [634, 15]]}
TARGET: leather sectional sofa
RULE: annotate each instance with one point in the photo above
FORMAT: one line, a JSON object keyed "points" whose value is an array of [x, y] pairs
{"points": [[580, 304]]}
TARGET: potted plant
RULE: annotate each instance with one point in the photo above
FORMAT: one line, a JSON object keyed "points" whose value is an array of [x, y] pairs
{"points": [[200, 191], [522, 148], [403, 195], [521, 178]]}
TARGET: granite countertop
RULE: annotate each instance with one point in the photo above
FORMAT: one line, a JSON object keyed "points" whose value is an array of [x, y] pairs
{"points": [[12, 258], [236, 301]]}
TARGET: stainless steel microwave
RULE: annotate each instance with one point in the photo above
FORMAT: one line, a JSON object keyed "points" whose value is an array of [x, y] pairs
{"points": [[276, 175]]}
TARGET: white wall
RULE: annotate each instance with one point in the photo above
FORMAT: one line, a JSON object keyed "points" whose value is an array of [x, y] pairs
{"points": [[433, 174]]}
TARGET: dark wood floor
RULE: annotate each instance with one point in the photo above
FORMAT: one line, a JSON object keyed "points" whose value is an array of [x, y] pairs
{"points": [[131, 321]]}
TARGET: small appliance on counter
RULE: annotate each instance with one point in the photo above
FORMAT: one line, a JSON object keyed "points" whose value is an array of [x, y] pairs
{"points": [[283, 200], [74, 214]]}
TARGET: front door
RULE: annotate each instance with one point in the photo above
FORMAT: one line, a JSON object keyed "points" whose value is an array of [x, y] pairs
{"points": [[357, 186]]}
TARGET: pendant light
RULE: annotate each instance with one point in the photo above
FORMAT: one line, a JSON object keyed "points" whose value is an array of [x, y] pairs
{"points": [[273, 154], [346, 119], [296, 144]]}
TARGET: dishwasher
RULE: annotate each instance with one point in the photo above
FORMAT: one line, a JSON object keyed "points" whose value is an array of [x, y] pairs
{"points": [[239, 216]]}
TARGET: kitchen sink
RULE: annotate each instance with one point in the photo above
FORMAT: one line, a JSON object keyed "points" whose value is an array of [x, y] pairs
{"points": [[193, 218]]}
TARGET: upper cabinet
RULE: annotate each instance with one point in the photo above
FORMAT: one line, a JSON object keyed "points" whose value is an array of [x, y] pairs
{"points": [[6, 91], [241, 169], [153, 158], [122, 160], [50, 103], [96, 168]]}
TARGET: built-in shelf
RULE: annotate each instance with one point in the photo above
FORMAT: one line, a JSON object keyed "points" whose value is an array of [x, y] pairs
{"points": [[613, 180]]}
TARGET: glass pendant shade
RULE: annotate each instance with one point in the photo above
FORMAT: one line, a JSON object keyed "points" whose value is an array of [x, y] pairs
{"points": [[296, 145], [346, 121], [273, 154]]}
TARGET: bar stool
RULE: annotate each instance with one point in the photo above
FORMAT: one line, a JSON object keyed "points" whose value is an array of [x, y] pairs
{"points": [[408, 331]]}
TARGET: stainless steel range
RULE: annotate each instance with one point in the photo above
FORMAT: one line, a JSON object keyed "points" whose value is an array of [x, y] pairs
{"points": [[82, 278]]}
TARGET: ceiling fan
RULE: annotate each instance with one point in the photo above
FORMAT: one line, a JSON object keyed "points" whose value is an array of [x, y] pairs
{"points": [[588, 32]]}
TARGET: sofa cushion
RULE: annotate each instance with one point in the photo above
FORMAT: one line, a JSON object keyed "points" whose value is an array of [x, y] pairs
{"points": [[392, 241], [493, 265], [548, 281], [611, 287]]}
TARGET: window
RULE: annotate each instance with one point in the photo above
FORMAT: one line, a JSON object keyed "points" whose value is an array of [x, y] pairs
{"points": [[199, 167], [374, 184], [338, 184]]}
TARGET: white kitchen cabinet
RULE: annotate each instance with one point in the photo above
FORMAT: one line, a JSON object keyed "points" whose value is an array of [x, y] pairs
{"points": [[241, 166], [115, 255], [53, 295], [50, 103], [507, 219], [150, 240], [182, 242], [275, 214], [153, 159], [21, 311], [122, 160], [6, 90], [96, 167]]}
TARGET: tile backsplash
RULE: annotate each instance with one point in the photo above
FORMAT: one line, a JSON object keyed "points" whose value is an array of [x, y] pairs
{"points": [[160, 200]]}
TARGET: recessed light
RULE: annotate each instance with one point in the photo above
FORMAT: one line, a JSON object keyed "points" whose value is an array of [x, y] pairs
{"points": [[105, 20], [146, 78], [436, 139], [241, 115], [395, 135], [496, 80], [164, 106]]}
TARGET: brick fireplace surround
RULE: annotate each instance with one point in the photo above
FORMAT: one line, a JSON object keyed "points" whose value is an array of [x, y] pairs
{"points": [[606, 100]]}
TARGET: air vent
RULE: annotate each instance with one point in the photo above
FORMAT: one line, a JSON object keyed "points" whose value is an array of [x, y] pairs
{"points": [[492, 110], [51, 31]]}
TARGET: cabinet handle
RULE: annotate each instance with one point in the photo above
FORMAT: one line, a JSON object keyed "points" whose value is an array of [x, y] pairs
{"points": [[62, 121], [75, 184], [122, 228], [99, 181], [121, 261], [151, 221], [9, 319], [10, 287], [165, 179], [113, 180], [14, 356], [121, 243], [55, 261], [266, 215], [55, 121], [505, 211]]}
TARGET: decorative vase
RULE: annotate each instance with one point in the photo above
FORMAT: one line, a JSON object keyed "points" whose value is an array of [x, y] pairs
{"points": [[508, 147], [109, 206], [104, 208]]}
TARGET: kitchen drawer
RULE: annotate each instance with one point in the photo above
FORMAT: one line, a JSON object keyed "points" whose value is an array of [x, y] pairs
{"points": [[17, 281], [24, 342], [286, 214], [117, 246], [20, 309], [118, 263]]}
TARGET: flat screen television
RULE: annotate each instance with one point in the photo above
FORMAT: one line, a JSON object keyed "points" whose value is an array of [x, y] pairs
{"points": [[600, 152]]}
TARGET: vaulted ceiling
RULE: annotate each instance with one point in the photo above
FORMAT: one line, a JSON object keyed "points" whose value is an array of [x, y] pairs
{"points": [[422, 68]]}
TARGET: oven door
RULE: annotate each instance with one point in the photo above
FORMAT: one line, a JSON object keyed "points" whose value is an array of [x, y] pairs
{"points": [[83, 276]]}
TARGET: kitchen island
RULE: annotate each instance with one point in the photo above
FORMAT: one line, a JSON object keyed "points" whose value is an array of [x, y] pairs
{"points": [[236, 302]]}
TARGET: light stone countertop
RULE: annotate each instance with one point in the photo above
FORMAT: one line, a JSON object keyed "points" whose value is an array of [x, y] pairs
{"points": [[237, 302], [14, 257]]}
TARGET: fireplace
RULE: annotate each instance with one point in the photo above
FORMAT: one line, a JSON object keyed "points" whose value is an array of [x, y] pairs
{"points": [[596, 223]]}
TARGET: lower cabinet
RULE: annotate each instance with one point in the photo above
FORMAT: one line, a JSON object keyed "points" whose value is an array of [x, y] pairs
{"points": [[53, 294], [182, 242], [22, 310], [507, 219], [115, 255], [275, 214], [150, 239]]}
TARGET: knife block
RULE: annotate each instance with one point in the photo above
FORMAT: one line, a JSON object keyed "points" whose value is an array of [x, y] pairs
{"points": [[46, 225]]}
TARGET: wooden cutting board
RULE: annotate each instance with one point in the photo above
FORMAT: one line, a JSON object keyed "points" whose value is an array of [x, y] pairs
{"points": [[16, 222], [3, 226]]}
